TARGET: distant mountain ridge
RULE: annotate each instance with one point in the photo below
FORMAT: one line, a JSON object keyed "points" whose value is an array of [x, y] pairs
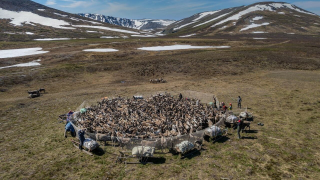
{"points": [[141, 24], [23, 20]]}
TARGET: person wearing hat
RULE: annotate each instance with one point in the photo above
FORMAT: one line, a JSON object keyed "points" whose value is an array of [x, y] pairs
{"points": [[239, 126], [230, 107]]}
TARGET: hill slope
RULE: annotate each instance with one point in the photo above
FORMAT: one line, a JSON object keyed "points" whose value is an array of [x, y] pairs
{"points": [[265, 17], [27, 20]]}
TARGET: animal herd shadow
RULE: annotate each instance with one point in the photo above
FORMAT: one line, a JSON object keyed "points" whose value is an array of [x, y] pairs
{"points": [[191, 155], [156, 160], [223, 139]]}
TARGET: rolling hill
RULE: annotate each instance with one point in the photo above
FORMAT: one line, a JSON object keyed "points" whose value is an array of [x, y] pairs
{"points": [[264, 17]]}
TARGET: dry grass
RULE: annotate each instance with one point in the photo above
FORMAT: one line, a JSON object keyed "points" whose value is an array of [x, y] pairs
{"points": [[279, 83]]}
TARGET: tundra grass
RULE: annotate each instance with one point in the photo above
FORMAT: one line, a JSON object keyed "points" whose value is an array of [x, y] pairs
{"points": [[285, 99]]}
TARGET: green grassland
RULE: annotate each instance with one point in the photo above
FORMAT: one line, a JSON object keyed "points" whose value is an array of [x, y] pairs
{"points": [[278, 80]]}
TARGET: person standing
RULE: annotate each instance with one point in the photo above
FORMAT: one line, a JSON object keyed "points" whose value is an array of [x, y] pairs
{"points": [[214, 102], [81, 137], [239, 102], [239, 124]]}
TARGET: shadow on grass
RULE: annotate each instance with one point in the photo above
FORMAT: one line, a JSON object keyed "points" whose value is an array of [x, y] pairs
{"points": [[99, 151], [244, 137], [192, 154], [251, 131], [222, 139], [156, 160]]}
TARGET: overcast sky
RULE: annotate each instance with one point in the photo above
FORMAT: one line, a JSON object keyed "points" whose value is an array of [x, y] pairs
{"points": [[158, 9]]}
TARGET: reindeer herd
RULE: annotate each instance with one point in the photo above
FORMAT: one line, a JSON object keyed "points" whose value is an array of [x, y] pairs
{"points": [[158, 116]]}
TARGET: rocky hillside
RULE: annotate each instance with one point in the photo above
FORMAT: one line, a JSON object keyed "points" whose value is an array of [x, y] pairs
{"points": [[258, 18], [142, 24]]}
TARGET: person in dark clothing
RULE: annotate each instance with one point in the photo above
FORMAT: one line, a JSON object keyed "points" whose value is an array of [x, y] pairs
{"points": [[81, 137], [239, 126], [69, 115], [180, 97], [214, 102], [239, 102], [224, 108]]}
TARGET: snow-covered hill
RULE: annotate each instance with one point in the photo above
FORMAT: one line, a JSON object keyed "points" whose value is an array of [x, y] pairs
{"points": [[266, 17], [141, 24]]}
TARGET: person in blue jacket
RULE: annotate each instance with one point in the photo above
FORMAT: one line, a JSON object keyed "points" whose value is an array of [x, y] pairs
{"points": [[70, 128]]}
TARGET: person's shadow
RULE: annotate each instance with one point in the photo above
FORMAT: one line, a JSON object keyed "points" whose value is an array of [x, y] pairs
{"points": [[250, 131], [243, 137]]}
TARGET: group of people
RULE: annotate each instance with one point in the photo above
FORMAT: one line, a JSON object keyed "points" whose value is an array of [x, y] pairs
{"points": [[223, 105], [224, 109]]}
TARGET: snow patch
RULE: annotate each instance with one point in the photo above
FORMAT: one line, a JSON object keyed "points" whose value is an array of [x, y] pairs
{"points": [[258, 32], [178, 47], [107, 28], [76, 19], [29, 33], [146, 35], [32, 63], [109, 37], [18, 18], [164, 22], [189, 35], [257, 18], [92, 31], [281, 13], [41, 9], [9, 33], [21, 52], [212, 19], [201, 15], [223, 27], [52, 39], [101, 50], [60, 14], [254, 26]]}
